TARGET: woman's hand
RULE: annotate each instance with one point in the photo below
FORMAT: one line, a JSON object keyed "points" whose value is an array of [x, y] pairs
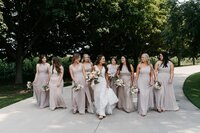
{"points": [[135, 83], [58, 85], [151, 83], [170, 81]]}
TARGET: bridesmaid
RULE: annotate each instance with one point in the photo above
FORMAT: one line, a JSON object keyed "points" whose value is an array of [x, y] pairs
{"points": [[56, 85], [77, 72], [88, 68], [126, 73], [104, 98], [112, 71], [164, 72], [41, 79], [144, 80]]}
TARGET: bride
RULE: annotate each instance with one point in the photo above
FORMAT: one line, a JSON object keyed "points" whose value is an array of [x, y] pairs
{"points": [[104, 97]]}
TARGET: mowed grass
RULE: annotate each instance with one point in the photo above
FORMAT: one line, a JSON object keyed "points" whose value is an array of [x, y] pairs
{"points": [[191, 89], [10, 94]]}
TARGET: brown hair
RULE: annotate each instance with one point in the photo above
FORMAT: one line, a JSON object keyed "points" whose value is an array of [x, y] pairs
{"points": [[99, 57], [75, 56], [115, 58], [40, 58], [56, 64], [127, 64]]}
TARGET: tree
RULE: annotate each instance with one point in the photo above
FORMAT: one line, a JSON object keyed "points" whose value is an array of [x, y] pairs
{"points": [[58, 27], [182, 33], [28, 22]]}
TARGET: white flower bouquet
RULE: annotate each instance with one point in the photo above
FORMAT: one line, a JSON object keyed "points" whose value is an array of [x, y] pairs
{"points": [[134, 90], [111, 75], [45, 88], [77, 87], [29, 85], [93, 77], [157, 85], [119, 82]]}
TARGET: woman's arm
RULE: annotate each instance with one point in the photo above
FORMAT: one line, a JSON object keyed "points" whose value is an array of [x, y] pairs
{"points": [[132, 73], [83, 70], [137, 74], [171, 72], [156, 71], [71, 73], [60, 76], [36, 74], [49, 72], [151, 74]]}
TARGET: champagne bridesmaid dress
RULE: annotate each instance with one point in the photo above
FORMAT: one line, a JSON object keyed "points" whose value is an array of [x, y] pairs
{"points": [[42, 96], [56, 98], [169, 100], [88, 68], [125, 98], [79, 97], [112, 69], [145, 90]]}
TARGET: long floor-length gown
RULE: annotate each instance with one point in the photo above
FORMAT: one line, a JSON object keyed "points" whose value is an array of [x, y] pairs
{"points": [[88, 68], [159, 93], [104, 98], [124, 95], [42, 96], [112, 69], [79, 97], [56, 93], [169, 100], [145, 88]]}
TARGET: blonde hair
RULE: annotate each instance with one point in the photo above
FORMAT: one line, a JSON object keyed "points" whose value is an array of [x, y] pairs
{"points": [[75, 56], [147, 58], [83, 59]]}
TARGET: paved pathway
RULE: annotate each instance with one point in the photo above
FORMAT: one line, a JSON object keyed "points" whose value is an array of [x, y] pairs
{"points": [[26, 117]]}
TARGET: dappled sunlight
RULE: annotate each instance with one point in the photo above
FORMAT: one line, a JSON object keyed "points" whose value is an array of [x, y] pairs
{"points": [[5, 116]]}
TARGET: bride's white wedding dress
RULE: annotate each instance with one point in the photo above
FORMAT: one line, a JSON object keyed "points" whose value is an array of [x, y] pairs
{"points": [[104, 98]]}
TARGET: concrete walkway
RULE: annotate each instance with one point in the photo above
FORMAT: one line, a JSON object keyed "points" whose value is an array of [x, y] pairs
{"points": [[26, 117]]}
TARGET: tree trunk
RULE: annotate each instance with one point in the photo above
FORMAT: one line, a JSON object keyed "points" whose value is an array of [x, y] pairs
{"points": [[179, 60], [193, 60], [19, 65]]}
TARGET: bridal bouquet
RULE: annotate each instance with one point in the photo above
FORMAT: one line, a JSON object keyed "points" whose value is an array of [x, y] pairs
{"points": [[93, 77], [134, 90], [157, 85], [77, 87], [119, 82], [29, 85], [111, 75], [45, 88]]}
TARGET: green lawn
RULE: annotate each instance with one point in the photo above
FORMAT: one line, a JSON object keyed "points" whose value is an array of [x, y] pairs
{"points": [[10, 94], [191, 89]]}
